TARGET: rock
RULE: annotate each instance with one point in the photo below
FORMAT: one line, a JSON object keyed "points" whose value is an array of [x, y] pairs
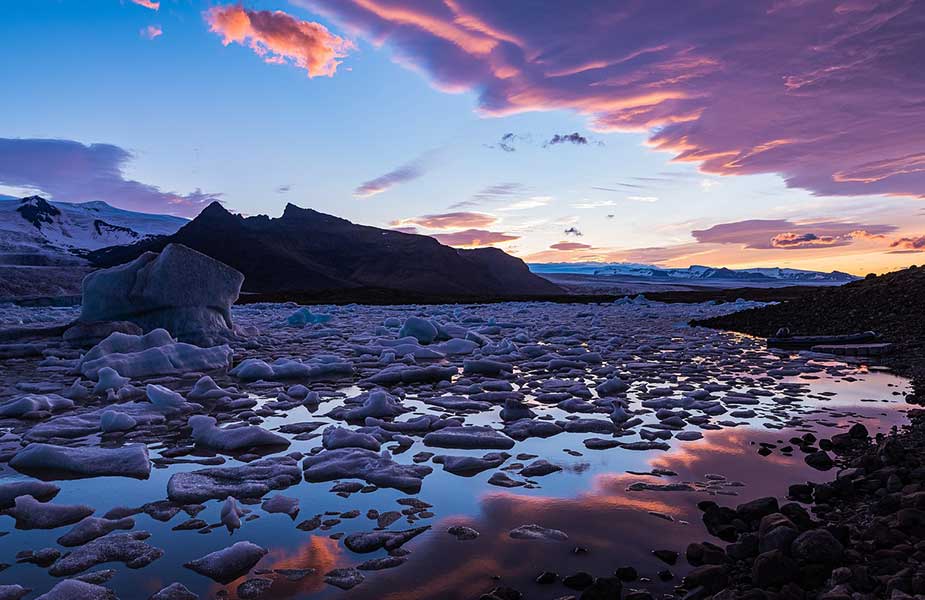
{"points": [[669, 557], [817, 546], [91, 528], [345, 579], [821, 461], [539, 468], [253, 480], [704, 553], [359, 463], [39, 490], [578, 581], [772, 569], [254, 588], [712, 578], [226, 565], [603, 588], [463, 533], [756, 509], [73, 589], [470, 438], [183, 291], [128, 548], [32, 514], [281, 504], [174, 591], [370, 541], [84, 461], [536, 532], [13, 592]]}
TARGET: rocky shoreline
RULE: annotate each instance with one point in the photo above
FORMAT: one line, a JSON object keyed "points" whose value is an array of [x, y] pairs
{"points": [[859, 537]]}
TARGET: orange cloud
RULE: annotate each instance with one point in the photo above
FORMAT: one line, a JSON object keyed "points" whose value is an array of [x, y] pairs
{"points": [[280, 38], [151, 31], [152, 4], [473, 238], [451, 220]]}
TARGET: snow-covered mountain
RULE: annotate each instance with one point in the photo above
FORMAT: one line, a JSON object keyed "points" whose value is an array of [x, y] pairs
{"points": [[693, 273], [42, 243], [76, 227]]}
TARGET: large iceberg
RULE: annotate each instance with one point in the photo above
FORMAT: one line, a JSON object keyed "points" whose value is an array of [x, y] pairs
{"points": [[180, 290]]}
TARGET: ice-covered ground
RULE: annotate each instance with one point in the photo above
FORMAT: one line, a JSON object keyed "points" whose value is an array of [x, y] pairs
{"points": [[402, 451]]}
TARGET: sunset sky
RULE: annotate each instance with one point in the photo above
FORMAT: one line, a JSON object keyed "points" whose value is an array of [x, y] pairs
{"points": [[726, 133]]}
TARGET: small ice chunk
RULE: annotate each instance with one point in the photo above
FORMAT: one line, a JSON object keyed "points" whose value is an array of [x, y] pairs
{"points": [[91, 528], [359, 463], [109, 379], [231, 514], [420, 329], [340, 437], [32, 514], [40, 490], [206, 433], [281, 504], [73, 589], [84, 461], [473, 437], [536, 532], [28, 403], [113, 420]]}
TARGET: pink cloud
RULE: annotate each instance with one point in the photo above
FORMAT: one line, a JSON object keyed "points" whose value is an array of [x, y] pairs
{"points": [[909, 244], [766, 234], [151, 31], [471, 238], [73, 172], [827, 94], [152, 4], [280, 38], [567, 246], [451, 220]]}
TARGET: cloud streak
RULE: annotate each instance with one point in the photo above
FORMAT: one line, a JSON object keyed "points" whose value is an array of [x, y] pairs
{"points": [[280, 38], [403, 174], [152, 4], [450, 220], [151, 31], [828, 93], [473, 238], [70, 171]]}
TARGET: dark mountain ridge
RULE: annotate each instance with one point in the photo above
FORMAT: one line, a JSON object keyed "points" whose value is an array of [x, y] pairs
{"points": [[308, 251]]}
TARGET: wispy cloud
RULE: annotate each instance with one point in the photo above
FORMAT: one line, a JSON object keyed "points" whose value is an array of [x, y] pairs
{"points": [[152, 4], [280, 38], [402, 174], [74, 172], [472, 238], [569, 246], [450, 220], [766, 234], [151, 31]]}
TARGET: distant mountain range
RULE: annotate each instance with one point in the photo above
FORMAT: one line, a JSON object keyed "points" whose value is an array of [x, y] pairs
{"points": [[308, 251], [42, 243], [694, 273]]}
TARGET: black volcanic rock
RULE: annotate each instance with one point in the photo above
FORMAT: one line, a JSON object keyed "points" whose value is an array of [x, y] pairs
{"points": [[308, 251], [37, 210]]}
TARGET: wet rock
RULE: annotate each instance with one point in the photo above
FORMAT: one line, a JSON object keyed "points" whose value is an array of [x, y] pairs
{"points": [[463, 533], [73, 589], [603, 588], [578, 581], [128, 548], [821, 461], [91, 528], [773, 569], [253, 480], [84, 461], [226, 565], [174, 591], [32, 514], [817, 546], [536, 532], [345, 578]]}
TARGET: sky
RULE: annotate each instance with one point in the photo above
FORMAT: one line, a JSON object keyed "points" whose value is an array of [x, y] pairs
{"points": [[783, 133]]}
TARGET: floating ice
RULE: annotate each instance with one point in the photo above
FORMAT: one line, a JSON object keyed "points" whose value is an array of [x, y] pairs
{"points": [[359, 463], [206, 433], [226, 565], [252, 480], [154, 353], [126, 461], [32, 514], [30, 403]]}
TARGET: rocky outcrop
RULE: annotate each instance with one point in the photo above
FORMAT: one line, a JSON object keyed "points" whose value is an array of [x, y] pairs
{"points": [[181, 290]]}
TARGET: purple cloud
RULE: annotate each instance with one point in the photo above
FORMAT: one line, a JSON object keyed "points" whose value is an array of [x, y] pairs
{"points": [[70, 171], [829, 94], [403, 174], [764, 234]]}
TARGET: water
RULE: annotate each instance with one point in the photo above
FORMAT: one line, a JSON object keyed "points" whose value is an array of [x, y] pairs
{"points": [[587, 500]]}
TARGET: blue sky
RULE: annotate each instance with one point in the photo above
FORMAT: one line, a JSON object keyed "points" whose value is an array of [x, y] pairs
{"points": [[195, 114]]}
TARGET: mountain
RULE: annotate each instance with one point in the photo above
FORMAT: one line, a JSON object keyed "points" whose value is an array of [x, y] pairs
{"points": [[42, 243], [308, 251], [696, 273]]}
